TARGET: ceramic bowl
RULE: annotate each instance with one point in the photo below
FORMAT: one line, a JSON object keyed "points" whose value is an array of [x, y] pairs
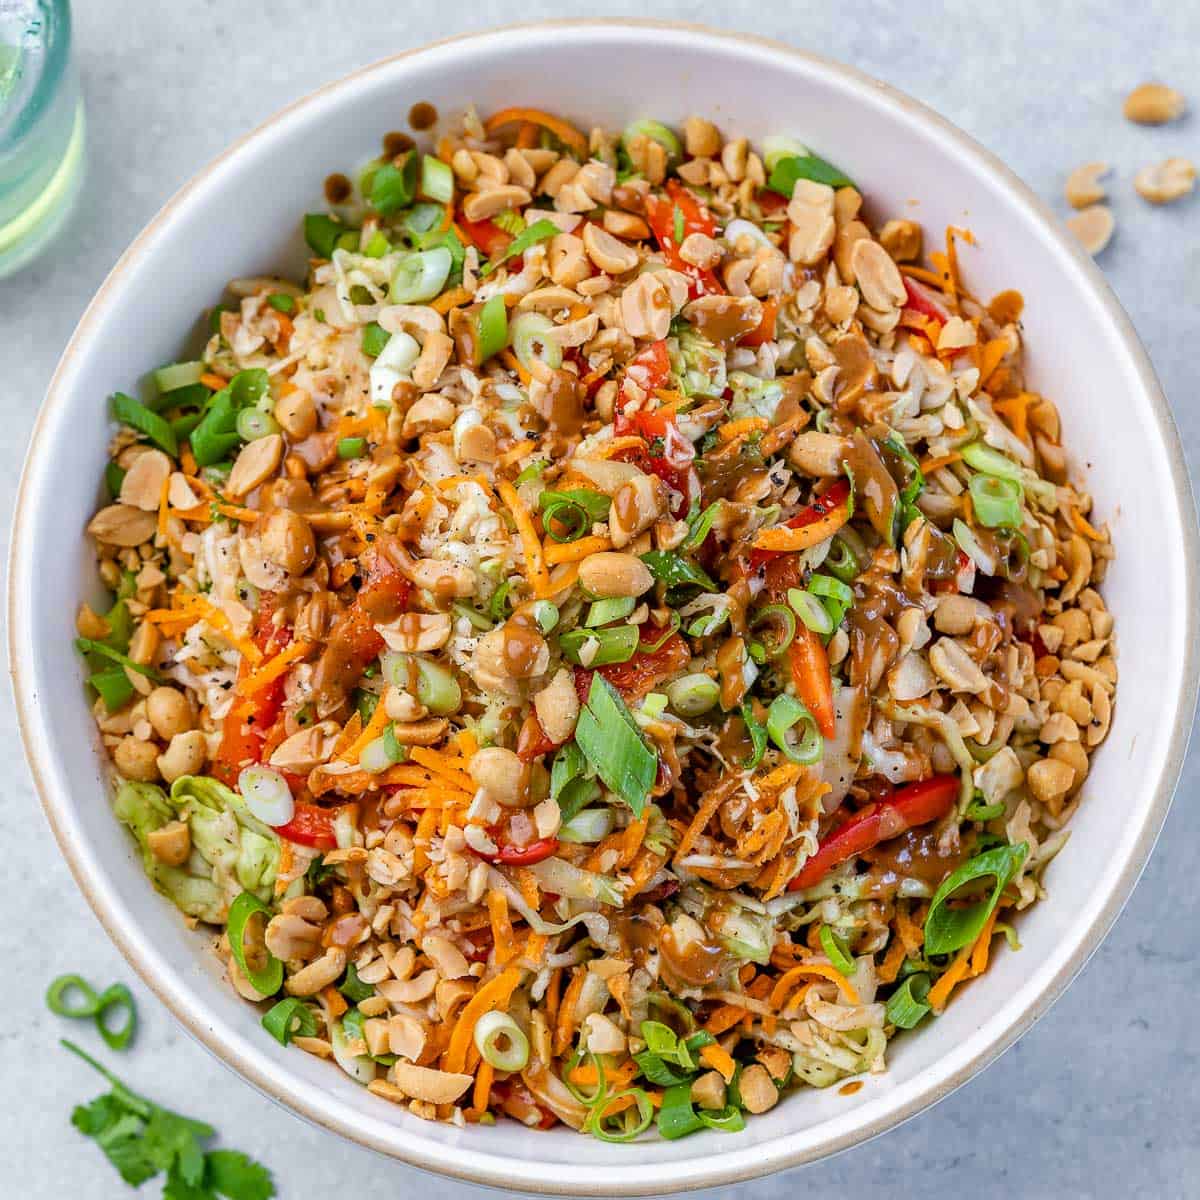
{"points": [[240, 216]]}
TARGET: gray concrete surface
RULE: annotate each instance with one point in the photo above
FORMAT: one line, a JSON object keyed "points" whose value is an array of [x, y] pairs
{"points": [[1100, 1099]]}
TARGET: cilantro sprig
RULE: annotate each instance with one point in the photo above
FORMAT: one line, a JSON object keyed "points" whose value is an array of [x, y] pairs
{"points": [[142, 1140]]}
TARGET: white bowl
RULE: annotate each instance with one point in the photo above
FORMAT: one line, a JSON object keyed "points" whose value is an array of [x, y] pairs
{"points": [[240, 216]]}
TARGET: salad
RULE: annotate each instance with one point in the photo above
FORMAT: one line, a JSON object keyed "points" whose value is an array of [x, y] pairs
{"points": [[615, 642]]}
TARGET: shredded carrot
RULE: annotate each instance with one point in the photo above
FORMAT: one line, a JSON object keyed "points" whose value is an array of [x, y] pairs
{"points": [[618, 989], [483, 1086], [494, 994], [221, 623], [939, 994], [1015, 410], [563, 130], [187, 460], [890, 967], [564, 1028], [528, 886], [349, 734], [442, 765], [335, 1002], [733, 429], [929, 465], [912, 936], [163, 507], [725, 1018], [417, 777], [1084, 526], [447, 217], [451, 299], [631, 841], [923, 276], [825, 970], [783, 538], [502, 930], [983, 944], [616, 445], [527, 136], [467, 744], [535, 948], [713, 800], [990, 356], [719, 1060], [211, 379], [511, 361], [530, 543], [273, 668], [374, 728], [570, 552]]}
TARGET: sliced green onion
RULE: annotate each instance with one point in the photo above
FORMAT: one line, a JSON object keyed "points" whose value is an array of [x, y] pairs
{"points": [[807, 166], [678, 228], [321, 232], [985, 812], [531, 341], [654, 705], [353, 988], [758, 737], [477, 619], [351, 447], [906, 1007], [374, 338], [545, 614], [625, 1125], [378, 245], [659, 642], [776, 147], [587, 827], [420, 276], [676, 571], [969, 544], [615, 644], [539, 231], [841, 561], [290, 1018], [267, 794], [177, 375], [728, 1119], [253, 423], [118, 999], [498, 607], [699, 524], [88, 646], [997, 502], [835, 951], [437, 688], [616, 608], [613, 746], [656, 131], [780, 628], [510, 221], [676, 1116], [811, 611], [421, 219], [58, 1002], [267, 979], [502, 1042], [137, 416], [492, 332], [784, 715], [394, 187], [834, 589], [535, 468], [691, 695], [282, 302], [114, 476], [437, 179], [991, 462], [576, 510], [948, 929], [374, 757], [113, 687]]}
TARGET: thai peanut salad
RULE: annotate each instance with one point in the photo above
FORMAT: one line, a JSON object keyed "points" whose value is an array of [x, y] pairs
{"points": [[615, 643]]}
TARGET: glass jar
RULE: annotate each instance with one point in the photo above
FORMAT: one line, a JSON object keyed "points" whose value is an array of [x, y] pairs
{"points": [[41, 127]]}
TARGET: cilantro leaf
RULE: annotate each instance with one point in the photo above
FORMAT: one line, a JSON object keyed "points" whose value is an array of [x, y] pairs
{"points": [[237, 1176]]}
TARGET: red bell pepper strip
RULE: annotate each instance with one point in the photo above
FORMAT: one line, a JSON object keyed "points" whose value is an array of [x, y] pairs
{"points": [[919, 300], [533, 741], [250, 717], [822, 506], [522, 856], [811, 675], [910, 807], [650, 368], [639, 676], [673, 466], [660, 213], [487, 235], [310, 825]]}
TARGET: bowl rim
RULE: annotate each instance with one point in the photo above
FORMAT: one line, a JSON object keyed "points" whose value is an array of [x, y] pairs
{"points": [[461, 1161]]}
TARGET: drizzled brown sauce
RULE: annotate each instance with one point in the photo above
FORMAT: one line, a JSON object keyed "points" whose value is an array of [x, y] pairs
{"points": [[697, 964], [395, 143], [338, 188], [422, 116], [914, 854]]}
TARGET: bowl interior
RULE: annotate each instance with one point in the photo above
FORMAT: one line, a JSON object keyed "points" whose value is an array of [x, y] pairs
{"points": [[241, 218]]}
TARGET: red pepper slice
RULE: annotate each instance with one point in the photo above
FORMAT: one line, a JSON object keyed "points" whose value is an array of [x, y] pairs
{"points": [[912, 806], [660, 213], [487, 235], [811, 675], [822, 506], [642, 673], [673, 466], [310, 825], [522, 856], [650, 368], [249, 718], [919, 300], [533, 741]]}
